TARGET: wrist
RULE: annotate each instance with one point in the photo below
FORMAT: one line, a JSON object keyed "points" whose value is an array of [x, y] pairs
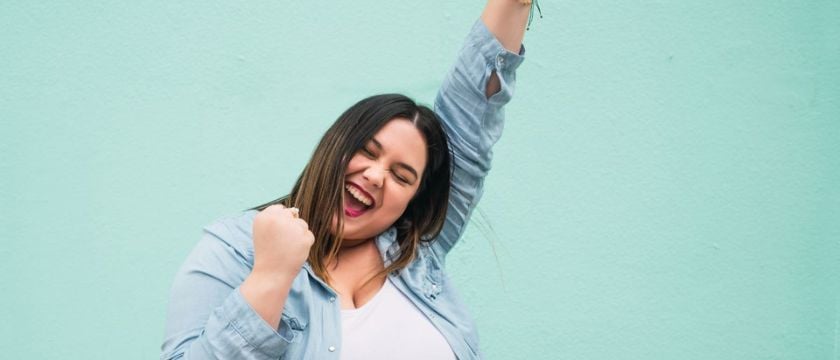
{"points": [[271, 278]]}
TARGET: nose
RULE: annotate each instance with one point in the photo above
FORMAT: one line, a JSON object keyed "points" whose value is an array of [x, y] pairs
{"points": [[375, 174]]}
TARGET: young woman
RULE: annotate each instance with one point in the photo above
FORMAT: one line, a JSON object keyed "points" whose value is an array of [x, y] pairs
{"points": [[350, 264]]}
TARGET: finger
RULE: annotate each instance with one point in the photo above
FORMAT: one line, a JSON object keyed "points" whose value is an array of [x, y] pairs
{"points": [[302, 224], [309, 238]]}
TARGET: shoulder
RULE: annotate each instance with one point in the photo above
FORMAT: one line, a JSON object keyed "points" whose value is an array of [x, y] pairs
{"points": [[234, 231]]}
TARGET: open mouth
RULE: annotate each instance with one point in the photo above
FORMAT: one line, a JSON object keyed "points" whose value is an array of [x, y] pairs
{"points": [[356, 202]]}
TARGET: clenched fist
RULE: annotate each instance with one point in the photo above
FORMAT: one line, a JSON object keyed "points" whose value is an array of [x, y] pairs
{"points": [[281, 241]]}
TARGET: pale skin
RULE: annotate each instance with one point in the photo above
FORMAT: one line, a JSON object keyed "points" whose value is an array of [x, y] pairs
{"points": [[282, 241]]}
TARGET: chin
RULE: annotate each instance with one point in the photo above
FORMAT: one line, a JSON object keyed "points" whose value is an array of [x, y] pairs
{"points": [[357, 235], [354, 231]]}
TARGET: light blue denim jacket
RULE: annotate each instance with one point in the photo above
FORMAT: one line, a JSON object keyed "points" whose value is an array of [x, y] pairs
{"points": [[209, 319]]}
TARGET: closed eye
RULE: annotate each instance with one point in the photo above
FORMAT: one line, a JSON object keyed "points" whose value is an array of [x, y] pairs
{"points": [[367, 152], [400, 178]]}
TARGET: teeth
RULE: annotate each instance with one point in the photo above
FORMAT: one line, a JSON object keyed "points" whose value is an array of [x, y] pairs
{"points": [[359, 195]]}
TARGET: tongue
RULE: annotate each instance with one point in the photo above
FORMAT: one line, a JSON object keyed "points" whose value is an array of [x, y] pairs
{"points": [[352, 203]]}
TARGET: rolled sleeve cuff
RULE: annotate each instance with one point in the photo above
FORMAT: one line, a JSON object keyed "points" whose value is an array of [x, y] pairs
{"points": [[492, 50], [254, 330]]}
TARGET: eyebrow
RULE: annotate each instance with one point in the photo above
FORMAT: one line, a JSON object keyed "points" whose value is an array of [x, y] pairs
{"points": [[400, 164]]}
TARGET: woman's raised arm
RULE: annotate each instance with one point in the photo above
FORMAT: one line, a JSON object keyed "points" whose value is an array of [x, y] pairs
{"points": [[470, 105]]}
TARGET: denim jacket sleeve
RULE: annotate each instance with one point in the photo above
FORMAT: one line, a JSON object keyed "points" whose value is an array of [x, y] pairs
{"points": [[473, 122], [208, 318]]}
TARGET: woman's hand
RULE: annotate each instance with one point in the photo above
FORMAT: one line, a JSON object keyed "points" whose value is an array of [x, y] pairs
{"points": [[281, 245], [281, 241]]}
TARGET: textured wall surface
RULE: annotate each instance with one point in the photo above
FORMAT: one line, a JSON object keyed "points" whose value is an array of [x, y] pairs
{"points": [[668, 185]]}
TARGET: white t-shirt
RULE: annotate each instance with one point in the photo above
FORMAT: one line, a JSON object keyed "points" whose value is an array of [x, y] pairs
{"points": [[389, 326]]}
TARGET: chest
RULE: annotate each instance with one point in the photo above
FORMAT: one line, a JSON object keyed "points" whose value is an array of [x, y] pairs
{"points": [[315, 313], [369, 331], [354, 275]]}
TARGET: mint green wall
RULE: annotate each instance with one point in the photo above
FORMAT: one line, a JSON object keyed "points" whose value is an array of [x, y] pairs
{"points": [[668, 186]]}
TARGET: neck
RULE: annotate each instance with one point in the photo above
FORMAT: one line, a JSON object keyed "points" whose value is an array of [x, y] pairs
{"points": [[348, 244]]}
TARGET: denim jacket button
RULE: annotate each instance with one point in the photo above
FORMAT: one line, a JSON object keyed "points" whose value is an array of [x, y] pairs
{"points": [[332, 298], [331, 348]]}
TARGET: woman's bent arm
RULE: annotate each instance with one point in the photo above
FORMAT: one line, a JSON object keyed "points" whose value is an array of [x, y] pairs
{"points": [[208, 316]]}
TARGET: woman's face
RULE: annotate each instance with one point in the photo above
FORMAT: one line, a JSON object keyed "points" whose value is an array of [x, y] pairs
{"points": [[381, 179]]}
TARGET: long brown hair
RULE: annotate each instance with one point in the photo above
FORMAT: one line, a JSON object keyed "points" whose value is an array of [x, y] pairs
{"points": [[319, 190]]}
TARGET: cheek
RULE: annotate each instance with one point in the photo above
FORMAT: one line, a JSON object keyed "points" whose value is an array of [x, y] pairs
{"points": [[351, 167], [401, 201]]}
